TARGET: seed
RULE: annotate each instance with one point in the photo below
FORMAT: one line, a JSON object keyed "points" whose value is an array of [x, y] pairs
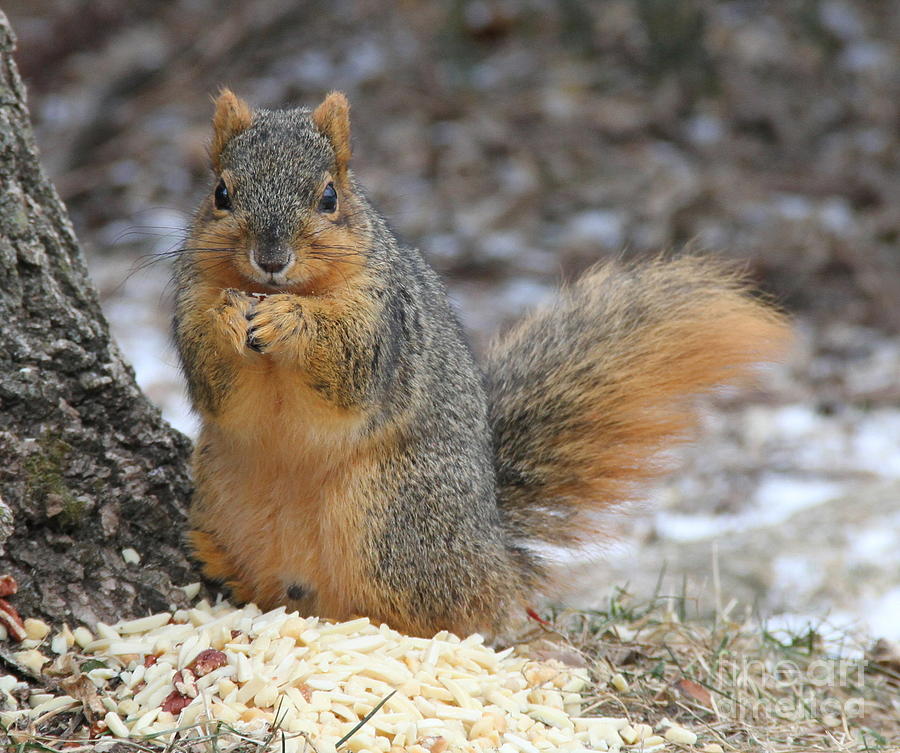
{"points": [[82, 636], [143, 624], [619, 682], [680, 735], [628, 734], [35, 629], [116, 725], [32, 659]]}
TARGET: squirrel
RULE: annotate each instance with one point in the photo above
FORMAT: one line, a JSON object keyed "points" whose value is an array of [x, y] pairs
{"points": [[352, 458]]}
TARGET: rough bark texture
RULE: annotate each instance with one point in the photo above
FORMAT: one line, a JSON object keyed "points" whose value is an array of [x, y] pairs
{"points": [[87, 465]]}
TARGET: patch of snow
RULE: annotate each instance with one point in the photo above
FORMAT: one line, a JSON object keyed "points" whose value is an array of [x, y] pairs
{"points": [[794, 421], [521, 294], [876, 443], [793, 207], [876, 544], [705, 129], [866, 55], [503, 246], [777, 498], [680, 527], [603, 227], [177, 411], [841, 19], [838, 632], [837, 216], [882, 615], [366, 62], [795, 573]]}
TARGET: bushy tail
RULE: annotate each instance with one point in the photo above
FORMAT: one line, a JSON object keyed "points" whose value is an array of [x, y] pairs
{"points": [[586, 392]]}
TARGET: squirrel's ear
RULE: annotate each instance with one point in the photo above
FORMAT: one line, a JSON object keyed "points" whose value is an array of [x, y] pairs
{"points": [[332, 118], [232, 116]]}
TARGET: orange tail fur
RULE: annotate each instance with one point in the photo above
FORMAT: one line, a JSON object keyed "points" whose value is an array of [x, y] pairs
{"points": [[586, 392]]}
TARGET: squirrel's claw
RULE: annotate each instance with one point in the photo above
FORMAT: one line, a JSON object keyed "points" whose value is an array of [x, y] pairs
{"points": [[273, 323], [252, 342]]}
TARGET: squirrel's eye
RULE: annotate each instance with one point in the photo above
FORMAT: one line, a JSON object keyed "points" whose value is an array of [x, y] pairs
{"points": [[222, 197], [328, 202]]}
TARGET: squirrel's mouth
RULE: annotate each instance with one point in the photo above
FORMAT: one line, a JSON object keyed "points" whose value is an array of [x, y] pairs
{"points": [[263, 285], [276, 281], [267, 287], [271, 268]]}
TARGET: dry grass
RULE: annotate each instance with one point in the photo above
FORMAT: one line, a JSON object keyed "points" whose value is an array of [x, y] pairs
{"points": [[733, 681]]}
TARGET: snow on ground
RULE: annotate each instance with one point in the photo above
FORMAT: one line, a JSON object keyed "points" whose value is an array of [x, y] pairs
{"points": [[137, 304]]}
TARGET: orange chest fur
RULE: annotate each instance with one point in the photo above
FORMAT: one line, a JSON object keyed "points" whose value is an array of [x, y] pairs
{"points": [[284, 472]]}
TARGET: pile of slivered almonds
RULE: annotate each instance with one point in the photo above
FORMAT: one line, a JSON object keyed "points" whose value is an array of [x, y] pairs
{"points": [[306, 685]]}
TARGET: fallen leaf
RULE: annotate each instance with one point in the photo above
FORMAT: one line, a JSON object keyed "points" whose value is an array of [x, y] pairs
{"points": [[547, 649], [82, 689], [693, 690]]}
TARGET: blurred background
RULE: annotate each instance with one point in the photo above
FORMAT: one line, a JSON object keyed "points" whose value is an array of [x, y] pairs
{"points": [[516, 142]]}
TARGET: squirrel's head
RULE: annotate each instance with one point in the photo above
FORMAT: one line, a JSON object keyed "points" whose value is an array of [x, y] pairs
{"points": [[282, 205]]}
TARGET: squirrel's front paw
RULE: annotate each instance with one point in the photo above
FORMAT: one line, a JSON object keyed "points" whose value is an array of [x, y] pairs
{"points": [[231, 316], [276, 324]]}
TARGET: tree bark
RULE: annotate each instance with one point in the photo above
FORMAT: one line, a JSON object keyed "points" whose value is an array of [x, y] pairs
{"points": [[87, 465]]}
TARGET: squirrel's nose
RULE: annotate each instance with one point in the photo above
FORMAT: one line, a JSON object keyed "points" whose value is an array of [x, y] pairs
{"points": [[273, 267], [272, 258]]}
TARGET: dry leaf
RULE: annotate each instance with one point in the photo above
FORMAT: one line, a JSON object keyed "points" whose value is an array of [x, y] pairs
{"points": [[691, 689], [81, 688]]}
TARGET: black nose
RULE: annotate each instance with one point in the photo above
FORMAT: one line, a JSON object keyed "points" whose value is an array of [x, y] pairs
{"points": [[273, 267], [272, 254]]}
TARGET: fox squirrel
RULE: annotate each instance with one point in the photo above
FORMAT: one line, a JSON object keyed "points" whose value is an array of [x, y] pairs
{"points": [[353, 459]]}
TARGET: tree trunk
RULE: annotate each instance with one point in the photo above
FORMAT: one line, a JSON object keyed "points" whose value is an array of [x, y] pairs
{"points": [[87, 466]]}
